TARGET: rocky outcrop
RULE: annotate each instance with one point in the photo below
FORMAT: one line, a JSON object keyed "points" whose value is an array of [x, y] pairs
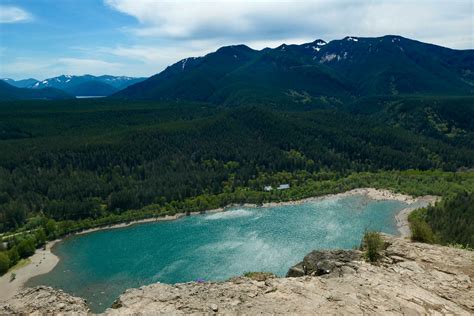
{"points": [[44, 300], [412, 278], [327, 262]]}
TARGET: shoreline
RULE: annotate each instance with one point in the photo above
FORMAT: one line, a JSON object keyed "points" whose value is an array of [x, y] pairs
{"points": [[372, 193], [401, 217], [43, 261]]}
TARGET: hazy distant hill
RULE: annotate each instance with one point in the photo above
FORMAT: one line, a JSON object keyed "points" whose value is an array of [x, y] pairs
{"points": [[91, 88], [24, 83], [80, 85], [9, 92], [313, 73]]}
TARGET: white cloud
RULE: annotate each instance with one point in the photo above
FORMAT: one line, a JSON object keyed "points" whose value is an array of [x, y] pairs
{"points": [[187, 28], [19, 68], [46, 68], [166, 31], [86, 66], [212, 19], [444, 22], [10, 14]]}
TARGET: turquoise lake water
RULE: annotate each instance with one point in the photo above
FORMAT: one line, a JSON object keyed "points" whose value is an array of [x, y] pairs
{"points": [[101, 265]]}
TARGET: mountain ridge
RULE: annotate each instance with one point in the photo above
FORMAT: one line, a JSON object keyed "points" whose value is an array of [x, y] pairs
{"points": [[79, 85], [313, 73], [22, 83], [9, 93]]}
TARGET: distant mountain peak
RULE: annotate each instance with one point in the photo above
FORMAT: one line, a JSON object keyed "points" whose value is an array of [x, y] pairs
{"points": [[234, 48], [315, 45], [351, 38], [319, 42]]}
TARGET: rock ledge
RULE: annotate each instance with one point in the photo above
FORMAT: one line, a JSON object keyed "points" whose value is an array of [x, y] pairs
{"points": [[44, 300], [412, 278]]}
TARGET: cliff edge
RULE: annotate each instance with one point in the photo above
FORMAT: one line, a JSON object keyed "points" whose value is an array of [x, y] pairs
{"points": [[410, 278], [44, 300]]}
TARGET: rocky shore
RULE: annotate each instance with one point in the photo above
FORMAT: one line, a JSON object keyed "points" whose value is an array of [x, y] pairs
{"points": [[411, 278]]}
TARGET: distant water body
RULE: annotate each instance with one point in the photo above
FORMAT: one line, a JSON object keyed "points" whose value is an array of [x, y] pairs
{"points": [[101, 265], [89, 96]]}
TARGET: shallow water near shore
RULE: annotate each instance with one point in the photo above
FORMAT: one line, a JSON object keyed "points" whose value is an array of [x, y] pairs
{"points": [[101, 265]]}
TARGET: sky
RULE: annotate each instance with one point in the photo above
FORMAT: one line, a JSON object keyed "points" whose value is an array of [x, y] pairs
{"points": [[47, 38]]}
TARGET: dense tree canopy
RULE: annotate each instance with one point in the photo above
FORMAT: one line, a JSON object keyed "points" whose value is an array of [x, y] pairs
{"points": [[453, 219], [86, 159]]}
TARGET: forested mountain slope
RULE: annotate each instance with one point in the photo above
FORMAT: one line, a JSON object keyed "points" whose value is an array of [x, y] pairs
{"points": [[314, 74], [91, 88]]}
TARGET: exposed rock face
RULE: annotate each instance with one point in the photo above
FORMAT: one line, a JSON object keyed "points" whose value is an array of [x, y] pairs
{"points": [[44, 300], [412, 278]]}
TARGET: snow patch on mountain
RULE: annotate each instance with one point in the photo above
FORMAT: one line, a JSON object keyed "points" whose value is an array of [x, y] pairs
{"points": [[329, 57]]}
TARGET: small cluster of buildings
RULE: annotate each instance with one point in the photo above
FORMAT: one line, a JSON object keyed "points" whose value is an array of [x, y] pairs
{"points": [[269, 188]]}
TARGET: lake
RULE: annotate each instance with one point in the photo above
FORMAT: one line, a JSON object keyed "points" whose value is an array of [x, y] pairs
{"points": [[99, 266]]}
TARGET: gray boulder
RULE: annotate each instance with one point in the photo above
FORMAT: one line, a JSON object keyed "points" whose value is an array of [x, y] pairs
{"points": [[326, 262]]}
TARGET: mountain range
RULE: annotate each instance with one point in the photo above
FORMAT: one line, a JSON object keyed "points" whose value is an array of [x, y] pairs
{"points": [[86, 85], [321, 73], [9, 93]]}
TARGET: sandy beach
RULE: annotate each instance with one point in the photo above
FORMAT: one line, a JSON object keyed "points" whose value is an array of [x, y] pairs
{"points": [[44, 261], [140, 221], [41, 262], [402, 216], [374, 194]]}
